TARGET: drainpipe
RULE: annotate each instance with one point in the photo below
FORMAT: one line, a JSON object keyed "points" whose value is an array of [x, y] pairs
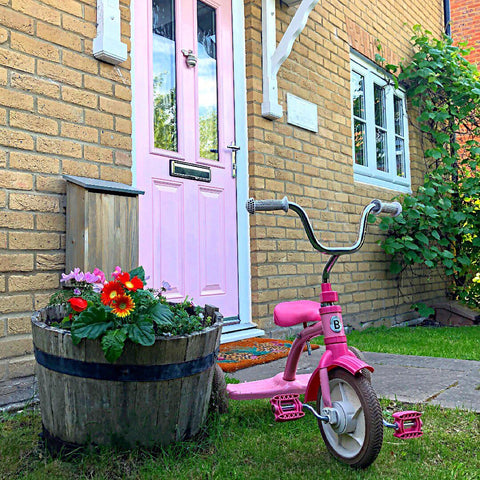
{"points": [[447, 16]]}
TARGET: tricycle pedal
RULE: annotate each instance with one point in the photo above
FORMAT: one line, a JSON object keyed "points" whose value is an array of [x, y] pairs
{"points": [[408, 424], [286, 407]]}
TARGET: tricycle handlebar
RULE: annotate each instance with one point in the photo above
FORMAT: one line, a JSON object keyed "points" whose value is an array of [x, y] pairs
{"points": [[375, 207]]}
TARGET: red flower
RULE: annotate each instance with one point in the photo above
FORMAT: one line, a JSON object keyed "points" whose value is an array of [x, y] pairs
{"points": [[122, 306], [111, 291], [78, 304], [133, 284]]}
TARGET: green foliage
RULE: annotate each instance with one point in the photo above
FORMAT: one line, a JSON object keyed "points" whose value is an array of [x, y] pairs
{"points": [[186, 318], [91, 323], [112, 344], [141, 331], [440, 223]]}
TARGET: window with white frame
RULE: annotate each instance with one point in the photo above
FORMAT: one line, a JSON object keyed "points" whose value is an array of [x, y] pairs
{"points": [[379, 128]]}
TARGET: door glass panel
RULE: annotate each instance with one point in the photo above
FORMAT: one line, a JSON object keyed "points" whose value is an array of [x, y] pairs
{"points": [[207, 81], [164, 77]]}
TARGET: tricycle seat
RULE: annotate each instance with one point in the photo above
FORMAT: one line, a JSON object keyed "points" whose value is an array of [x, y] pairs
{"points": [[287, 314]]}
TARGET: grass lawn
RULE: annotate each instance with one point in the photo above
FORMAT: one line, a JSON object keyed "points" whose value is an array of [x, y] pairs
{"points": [[447, 342], [246, 443]]}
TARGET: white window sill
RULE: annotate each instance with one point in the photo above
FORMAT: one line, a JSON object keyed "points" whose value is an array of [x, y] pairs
{"points": [[377, 182]]}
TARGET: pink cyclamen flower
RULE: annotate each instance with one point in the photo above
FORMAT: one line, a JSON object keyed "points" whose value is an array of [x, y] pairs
{"points": [[91, 278], [116, 272], [100, 275], [75, 274], [66, 278], [79, 276], [77, 291], [166, 286]]}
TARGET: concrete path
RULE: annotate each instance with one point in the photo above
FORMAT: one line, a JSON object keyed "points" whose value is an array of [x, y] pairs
{"points": [[437, 381]]}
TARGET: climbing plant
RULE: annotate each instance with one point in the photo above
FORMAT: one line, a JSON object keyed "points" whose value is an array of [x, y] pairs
{"points": [[440, 223]]}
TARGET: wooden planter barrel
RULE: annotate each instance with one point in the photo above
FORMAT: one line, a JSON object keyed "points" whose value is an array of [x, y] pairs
{"points": [[150, 396]]}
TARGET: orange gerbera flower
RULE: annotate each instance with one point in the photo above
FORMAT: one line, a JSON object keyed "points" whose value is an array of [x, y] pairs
{"points": [[111, 291], [133, 284], [122, 306]]}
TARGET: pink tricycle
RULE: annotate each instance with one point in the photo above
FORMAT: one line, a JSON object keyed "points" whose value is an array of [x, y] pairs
{"points": [[347, 409]]}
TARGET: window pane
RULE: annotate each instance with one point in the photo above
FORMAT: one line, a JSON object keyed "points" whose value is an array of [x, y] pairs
{"points": [[358, 95], [379, 99], [164, 78], [398, 110], [207, 81], [400, 156], [381, 144], [359, 142]]}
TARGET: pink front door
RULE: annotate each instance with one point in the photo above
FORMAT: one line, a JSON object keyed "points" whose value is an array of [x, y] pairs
{"points": [[184, 122]]}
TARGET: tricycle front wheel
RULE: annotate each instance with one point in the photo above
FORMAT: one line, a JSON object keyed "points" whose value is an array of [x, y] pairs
{"points": [[357, 438]]}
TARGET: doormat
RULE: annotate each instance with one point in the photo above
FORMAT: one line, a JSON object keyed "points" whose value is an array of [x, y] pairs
{"points": [[234, 356]]}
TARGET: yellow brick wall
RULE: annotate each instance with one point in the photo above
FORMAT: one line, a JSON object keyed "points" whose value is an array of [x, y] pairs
{"points": [[61, 112], [316, 170]]}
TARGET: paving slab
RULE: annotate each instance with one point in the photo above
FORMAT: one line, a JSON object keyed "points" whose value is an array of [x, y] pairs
{"points": [[450, 383]]}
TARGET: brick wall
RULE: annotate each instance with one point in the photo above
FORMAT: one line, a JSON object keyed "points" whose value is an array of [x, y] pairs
{"points": [[465, 25], [61, 112], [315, 170]]}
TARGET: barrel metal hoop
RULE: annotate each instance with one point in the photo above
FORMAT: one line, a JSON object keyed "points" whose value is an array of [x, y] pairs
{"points": [[123, 373]]}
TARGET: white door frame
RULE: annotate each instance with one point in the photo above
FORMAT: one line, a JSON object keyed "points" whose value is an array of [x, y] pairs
{"points": [[244, 329]]}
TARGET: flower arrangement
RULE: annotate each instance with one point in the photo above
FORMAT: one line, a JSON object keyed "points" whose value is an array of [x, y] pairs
{"points": [[122, 309]]}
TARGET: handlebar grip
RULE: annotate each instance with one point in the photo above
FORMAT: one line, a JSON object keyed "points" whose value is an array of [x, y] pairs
{"points": [[253, 205], [393, 209]]}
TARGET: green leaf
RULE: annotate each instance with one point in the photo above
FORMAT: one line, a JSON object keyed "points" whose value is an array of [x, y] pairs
{"points": [[459, 217], [91, 323], [423, 310], [464, 260], [430, 211], [138, 272], [421, 237], [161, 314], [112, 344], [412, 246], [448, 263], [141, 332], [433, 153], [395, 268]]}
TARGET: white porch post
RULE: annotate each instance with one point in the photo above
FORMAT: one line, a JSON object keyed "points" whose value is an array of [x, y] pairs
{"points": [[245, 329]]}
